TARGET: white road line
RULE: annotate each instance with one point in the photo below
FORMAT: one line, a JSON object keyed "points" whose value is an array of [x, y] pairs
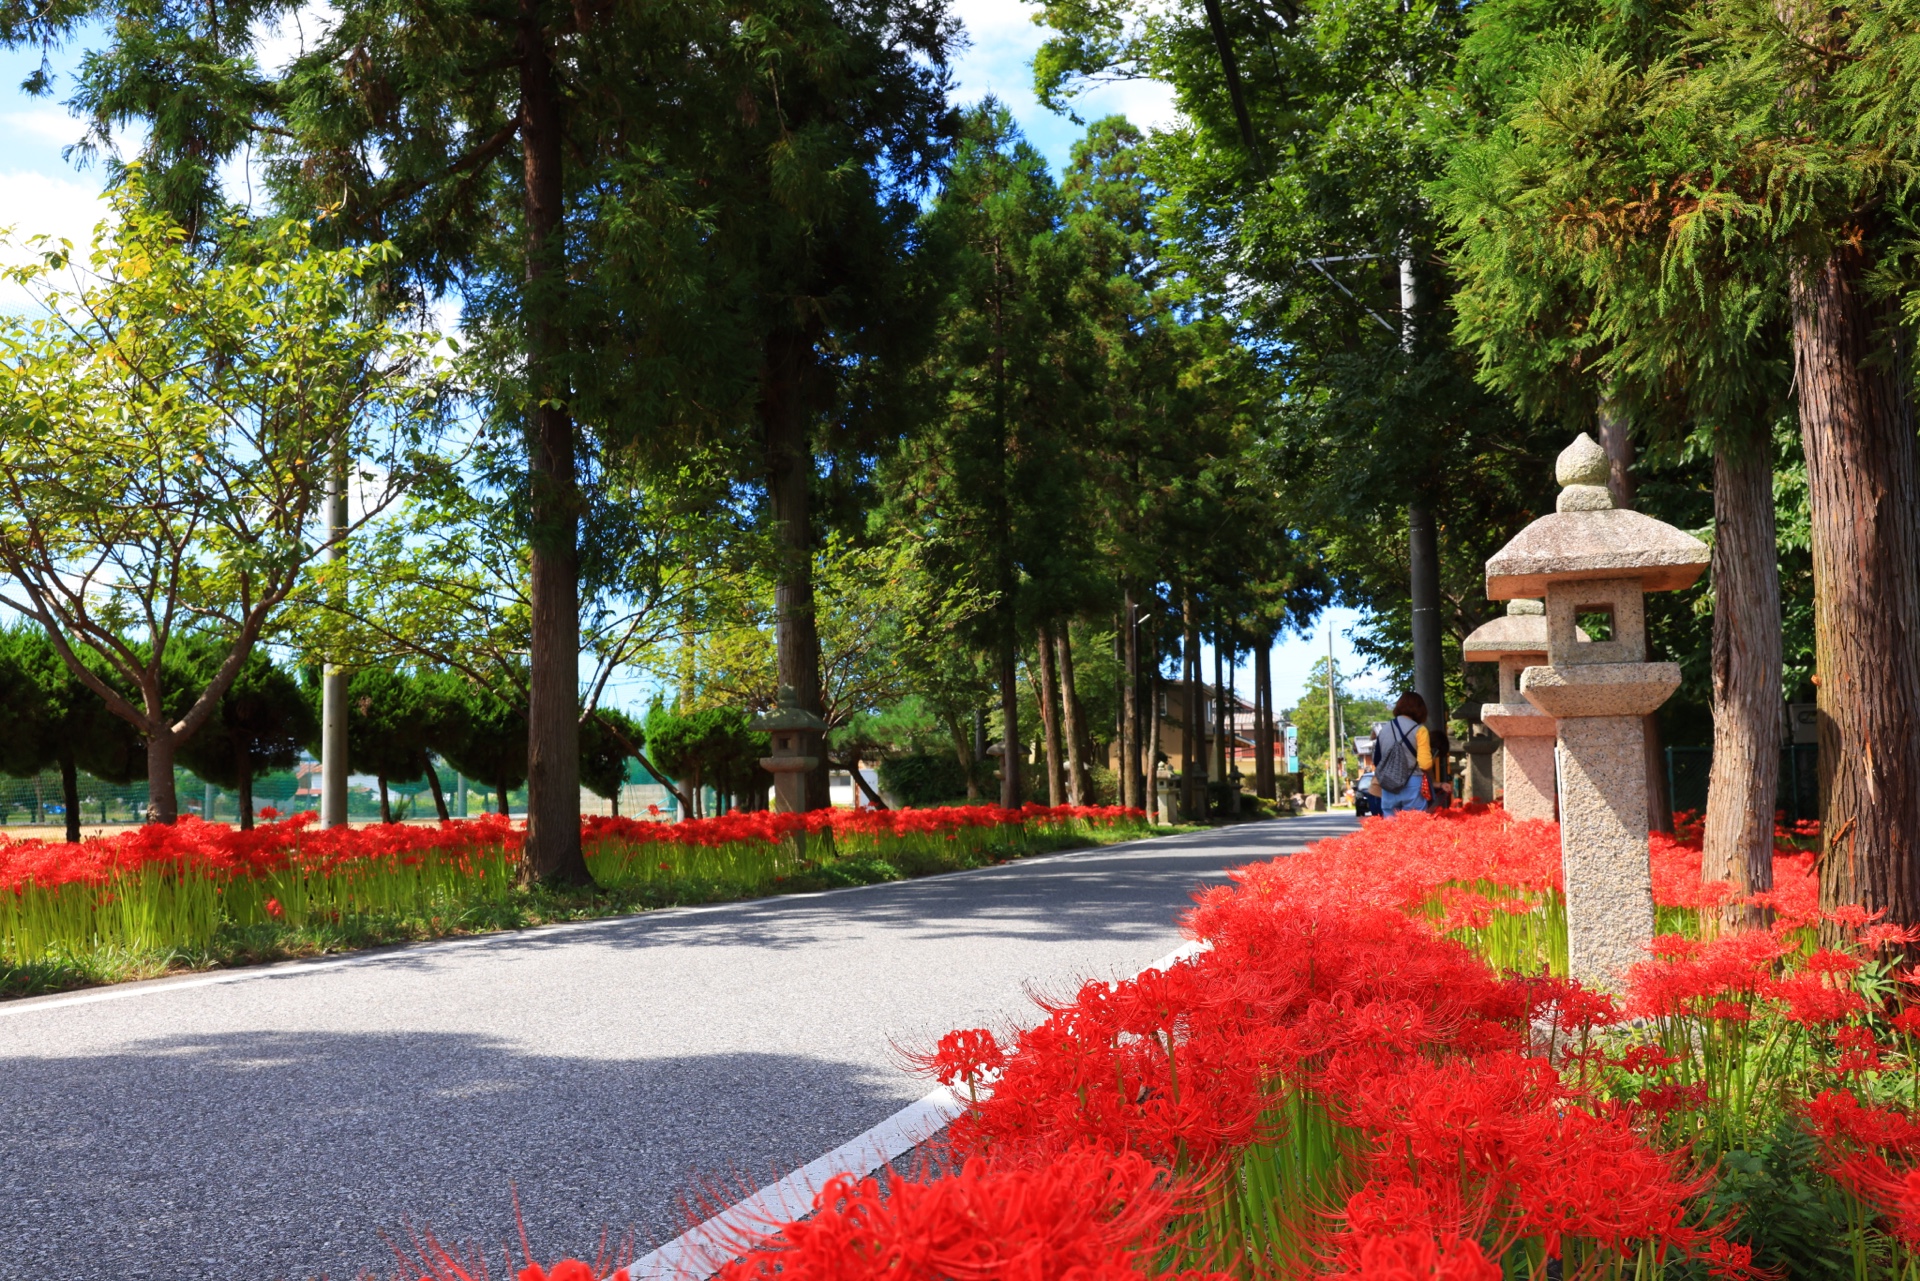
{"points": [[705, 1249]]}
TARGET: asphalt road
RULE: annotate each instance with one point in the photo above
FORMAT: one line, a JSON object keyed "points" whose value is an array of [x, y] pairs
{"points": [[279, 1125]]}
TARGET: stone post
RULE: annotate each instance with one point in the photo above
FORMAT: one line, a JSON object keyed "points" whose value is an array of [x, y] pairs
{"points": [[797, 738], [1591, 559], [1526, 734]]}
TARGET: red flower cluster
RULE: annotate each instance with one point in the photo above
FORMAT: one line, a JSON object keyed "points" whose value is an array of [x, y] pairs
{"points": [[214, 849], [190, 846], [1328, 1025], [763, 826], [1088, 1215]]}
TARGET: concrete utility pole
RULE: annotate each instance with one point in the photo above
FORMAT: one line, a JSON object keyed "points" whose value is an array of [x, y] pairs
{"points": [[1423, 565], [333, 687], [1333, 721]]}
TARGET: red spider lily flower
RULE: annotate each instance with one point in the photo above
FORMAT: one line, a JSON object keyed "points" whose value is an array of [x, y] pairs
{"points": [[274, 909], [269, 813], [1830, 962], [1907, 1021], [1418, 1255], [1878, 937], [1813, 1001], [1086, 1215], [566, 1270], [967, 1055], [1857, 1038]]}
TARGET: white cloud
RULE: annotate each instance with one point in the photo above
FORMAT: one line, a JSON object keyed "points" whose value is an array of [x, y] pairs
{"points": [[42, 125], [999, 60], [33, 204]]}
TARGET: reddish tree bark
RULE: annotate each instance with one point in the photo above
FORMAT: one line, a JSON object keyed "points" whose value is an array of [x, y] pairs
{"points": [[1857, 432], [1746, 671], [553, 695], [1050, 718]]}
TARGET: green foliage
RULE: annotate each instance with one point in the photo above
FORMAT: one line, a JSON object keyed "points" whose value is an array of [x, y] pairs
{"points": [[167, 422], [923, 778], [608, 739], [1784, 1207], [263, 721]]}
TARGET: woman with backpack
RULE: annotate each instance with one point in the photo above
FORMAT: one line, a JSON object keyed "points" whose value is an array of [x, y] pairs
{"points": [[1402, 757]]}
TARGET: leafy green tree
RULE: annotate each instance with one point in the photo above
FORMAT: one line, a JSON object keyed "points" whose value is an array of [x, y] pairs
{"points": [[55, 721], [988, 491], [608, 740], [165, 429], [491, 745], [705, 747], [1293, 206], [1359, 712], [262, 722], [1759, 256]]}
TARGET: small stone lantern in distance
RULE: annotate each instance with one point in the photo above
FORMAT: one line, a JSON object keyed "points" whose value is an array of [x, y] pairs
{"points": [[796, 736], [1591, 558], [1517, 642]]}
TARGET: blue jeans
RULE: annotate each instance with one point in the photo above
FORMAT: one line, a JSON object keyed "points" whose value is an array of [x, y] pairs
{"points": [[1407, 798]]}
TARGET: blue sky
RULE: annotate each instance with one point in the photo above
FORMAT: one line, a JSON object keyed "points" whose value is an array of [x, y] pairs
{"points": [[41, 193]]}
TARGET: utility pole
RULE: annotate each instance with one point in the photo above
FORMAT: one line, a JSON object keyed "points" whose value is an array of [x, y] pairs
{"points": [[1423, 564], [333, 686], [1333, 719]]}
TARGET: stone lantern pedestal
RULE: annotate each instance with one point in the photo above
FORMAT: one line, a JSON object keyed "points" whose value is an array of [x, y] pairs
{"points": [[1526, 733], [1591, 559], [1481, 749], [797, 738]]}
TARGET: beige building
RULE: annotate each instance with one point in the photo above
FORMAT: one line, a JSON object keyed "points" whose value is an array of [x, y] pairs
{"points": [[1171, 720]]}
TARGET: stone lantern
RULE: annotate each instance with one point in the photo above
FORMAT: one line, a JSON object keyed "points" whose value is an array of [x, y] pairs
{"points": [[1517, 642], [1591, 559], [796, 734]]}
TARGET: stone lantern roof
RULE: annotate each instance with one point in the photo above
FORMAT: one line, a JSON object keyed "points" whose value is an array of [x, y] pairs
{"points": [[789, 715], [1522, 632], [1587, 537]]}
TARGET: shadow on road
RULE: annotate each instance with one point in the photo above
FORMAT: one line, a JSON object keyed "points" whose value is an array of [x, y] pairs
{"points": [[274, 1155]]}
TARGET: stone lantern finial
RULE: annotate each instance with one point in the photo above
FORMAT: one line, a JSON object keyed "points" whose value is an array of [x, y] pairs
{"points": [[1581, 470]]}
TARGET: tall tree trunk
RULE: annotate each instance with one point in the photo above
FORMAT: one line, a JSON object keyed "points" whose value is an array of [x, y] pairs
{"points": [[1263, 780], [1130, 701], [163, 804], [243, 774], [1616, 441], [500, 793], [1010, 796], [386, 808], [1195, 730], [553, 704], [1230, 730], [979, 753], [1217, 746], [784, 421], [1154, 745], [1050, 719], [1429, 666], [1857, 432], [70, 794], [440, 799], [1070, 711], [1746, 671]]}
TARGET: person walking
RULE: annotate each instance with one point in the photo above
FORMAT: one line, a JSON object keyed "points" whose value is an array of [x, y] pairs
{"points": [[1403, 757]]}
